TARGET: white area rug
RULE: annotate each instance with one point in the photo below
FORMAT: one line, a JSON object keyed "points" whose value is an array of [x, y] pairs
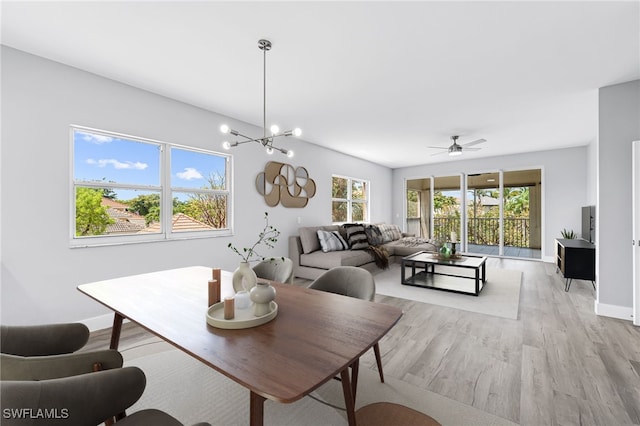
{"points": [[500, 297], [193, 392]]}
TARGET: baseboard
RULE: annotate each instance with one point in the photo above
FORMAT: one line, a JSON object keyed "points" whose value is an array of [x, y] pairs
{"points": [[614, 311], [99, 323]]}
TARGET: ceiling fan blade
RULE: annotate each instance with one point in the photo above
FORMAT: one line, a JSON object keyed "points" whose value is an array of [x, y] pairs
{"points": [[476, 142], [470, 149], [438, 147], [439, 153]]}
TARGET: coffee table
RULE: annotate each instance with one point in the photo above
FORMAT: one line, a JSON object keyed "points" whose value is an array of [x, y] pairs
{"points": [[467, 266], [315, 336]]}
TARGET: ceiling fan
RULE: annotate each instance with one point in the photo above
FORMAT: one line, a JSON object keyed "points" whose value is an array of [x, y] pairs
{"points": [[456, 149]]}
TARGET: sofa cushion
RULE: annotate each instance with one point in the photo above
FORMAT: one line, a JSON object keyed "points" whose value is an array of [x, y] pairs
{"points": [[331, 241], [309, 237], [390, 232], [374, 236], [356, 237], [319, 259]]}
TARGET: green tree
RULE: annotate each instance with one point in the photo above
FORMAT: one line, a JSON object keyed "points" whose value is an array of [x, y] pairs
{"points": [[445, 205], [109, 193], [147, 205], [207, 208], [412, 203], [91, 215], [339, 187], [516, 201], [339, 209]]}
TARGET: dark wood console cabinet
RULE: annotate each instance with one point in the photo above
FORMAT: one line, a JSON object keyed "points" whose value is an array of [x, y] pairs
{"points": [[576, 259]]}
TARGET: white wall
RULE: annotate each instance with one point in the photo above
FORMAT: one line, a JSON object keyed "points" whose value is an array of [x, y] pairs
{"points": [[564, 173], [592, 172], [619, 125], [39, 272]]}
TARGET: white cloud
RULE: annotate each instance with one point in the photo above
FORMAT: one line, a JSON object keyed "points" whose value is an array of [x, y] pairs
{"points": [[103, 162], [189, 174], [97, 139]]}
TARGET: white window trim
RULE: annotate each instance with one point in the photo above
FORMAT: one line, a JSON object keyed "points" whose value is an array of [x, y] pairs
{"points": [[165, 190], [349, 199]]}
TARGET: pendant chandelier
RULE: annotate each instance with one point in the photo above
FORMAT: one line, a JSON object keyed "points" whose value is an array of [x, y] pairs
{"points": [[266, 140]]}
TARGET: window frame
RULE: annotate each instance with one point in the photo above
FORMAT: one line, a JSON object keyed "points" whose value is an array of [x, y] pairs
{"points": [[165, 189], [349, 200]]}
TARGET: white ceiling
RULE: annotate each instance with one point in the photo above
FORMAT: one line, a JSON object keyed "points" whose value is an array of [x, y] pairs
{"points": [[377, 80]]}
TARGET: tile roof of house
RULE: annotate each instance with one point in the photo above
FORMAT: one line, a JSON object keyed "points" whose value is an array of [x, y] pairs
{"points": [[108, 202], [123, 226], [125, 215], [180, 223], [125, 222]]}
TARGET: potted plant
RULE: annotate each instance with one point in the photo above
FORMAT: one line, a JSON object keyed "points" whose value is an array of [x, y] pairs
{"points": [[568, 235]]}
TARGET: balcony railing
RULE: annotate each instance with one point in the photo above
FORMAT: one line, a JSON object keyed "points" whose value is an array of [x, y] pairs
{"points": [[482, 231]]}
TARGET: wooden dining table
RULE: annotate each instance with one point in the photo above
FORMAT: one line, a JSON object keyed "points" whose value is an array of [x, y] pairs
{"points": [[314, 337]]}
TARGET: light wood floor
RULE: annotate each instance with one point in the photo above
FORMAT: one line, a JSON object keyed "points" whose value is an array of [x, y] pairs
{"points": [[558, 364]]}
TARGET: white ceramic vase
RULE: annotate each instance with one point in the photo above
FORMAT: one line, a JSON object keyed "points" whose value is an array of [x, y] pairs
{"points": [[244, 278], [262, 295]]}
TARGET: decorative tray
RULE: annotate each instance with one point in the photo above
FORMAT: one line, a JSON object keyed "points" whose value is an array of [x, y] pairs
{"points": [[244, 318], [452, 257]]}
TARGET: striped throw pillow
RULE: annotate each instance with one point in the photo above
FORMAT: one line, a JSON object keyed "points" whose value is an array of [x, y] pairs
{"points": [[390, 232], [331, 241], [356, 237]]}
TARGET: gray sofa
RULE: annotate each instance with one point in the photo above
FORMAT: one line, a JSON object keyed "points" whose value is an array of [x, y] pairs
{"points": [[310, 261]]}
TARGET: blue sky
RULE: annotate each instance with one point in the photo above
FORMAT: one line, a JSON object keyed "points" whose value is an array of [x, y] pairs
{"points": [[98, 157]]}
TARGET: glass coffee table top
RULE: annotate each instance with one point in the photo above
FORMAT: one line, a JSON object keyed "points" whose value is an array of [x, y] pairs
{"points": [[465, 260], [461, 274]]}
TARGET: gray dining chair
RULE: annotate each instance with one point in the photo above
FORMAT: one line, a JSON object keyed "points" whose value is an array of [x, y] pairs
{"points": [[278, 269], [45, 339], [49, 351], [353, 282], [87, 399]]}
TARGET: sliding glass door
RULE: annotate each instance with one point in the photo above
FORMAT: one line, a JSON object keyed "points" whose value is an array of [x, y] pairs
{"points": [[522, 206], [504, 213], [483, 213], [496, 213], [447, 200]]}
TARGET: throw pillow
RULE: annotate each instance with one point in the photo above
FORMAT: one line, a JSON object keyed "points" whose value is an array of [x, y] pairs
{"points": [[373, 235], [386, 234], [390, 232], [309, 239], [331, 241], [396, 233], [356, 237]]}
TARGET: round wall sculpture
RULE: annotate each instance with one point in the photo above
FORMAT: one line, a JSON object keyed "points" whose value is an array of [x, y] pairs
{"points": [[281, 183]]}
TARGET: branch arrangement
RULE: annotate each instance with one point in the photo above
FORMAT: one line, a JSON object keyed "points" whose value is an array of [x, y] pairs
{"points": [[268, 237]]}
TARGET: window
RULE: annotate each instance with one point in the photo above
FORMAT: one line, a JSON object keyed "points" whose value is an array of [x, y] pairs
{"points": [[128, 189], [349, 199]]}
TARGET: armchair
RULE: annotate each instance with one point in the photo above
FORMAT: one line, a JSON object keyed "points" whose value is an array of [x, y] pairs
{"points": [[280, 270]]}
